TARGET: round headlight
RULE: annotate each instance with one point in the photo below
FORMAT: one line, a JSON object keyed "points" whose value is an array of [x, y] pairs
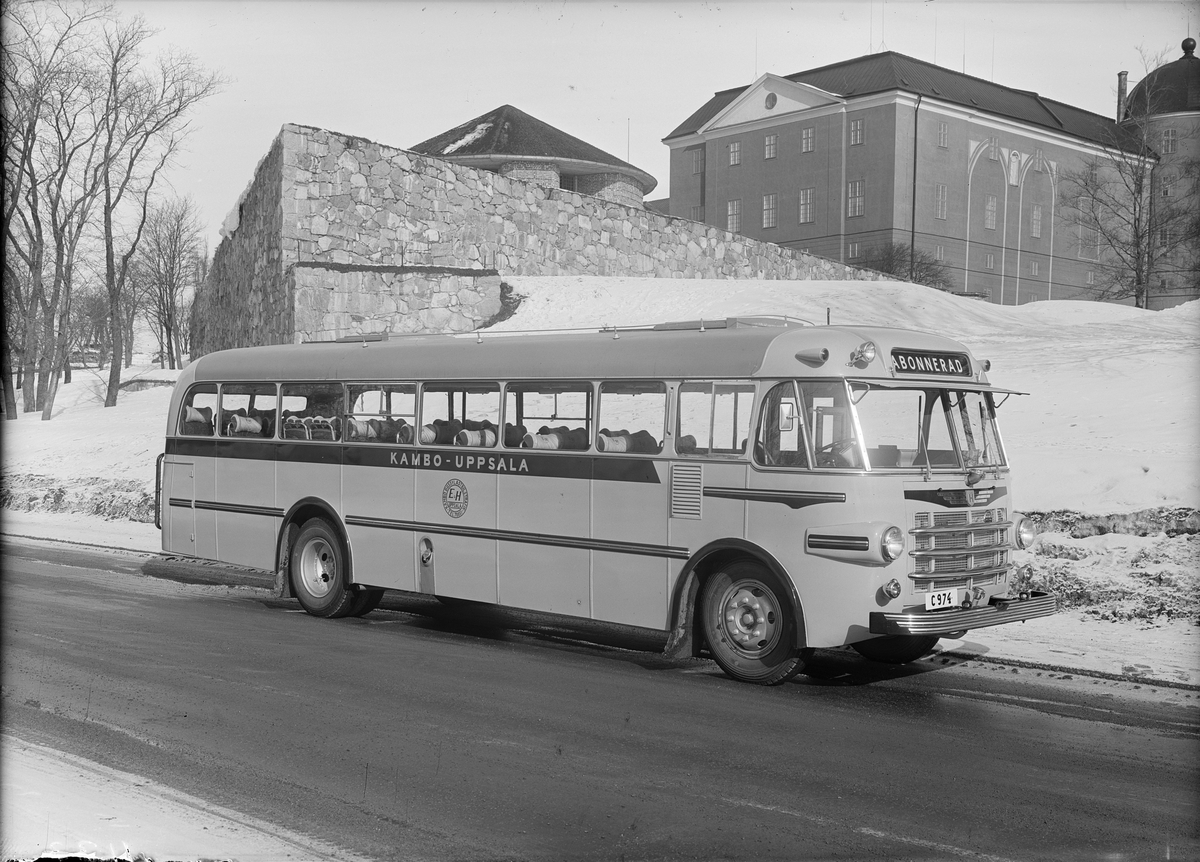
{"points": [[1024, 531], [893, 543]]}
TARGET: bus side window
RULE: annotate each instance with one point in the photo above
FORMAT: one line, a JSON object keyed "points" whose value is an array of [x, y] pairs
{"points": [[381, 413], [459, 414], [780, 440], [311, 411], [247, 410], [548, 416], [632, 417], [199, 407], [714, 418]]}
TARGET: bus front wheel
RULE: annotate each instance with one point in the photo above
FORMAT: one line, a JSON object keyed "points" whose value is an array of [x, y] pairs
{"points": [[319, 571], [749, 625], [896, 649]]}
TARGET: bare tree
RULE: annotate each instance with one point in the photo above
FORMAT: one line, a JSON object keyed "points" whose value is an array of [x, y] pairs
{"points": [[144, 121], [51, 178], [167, 261], [1129, 212], [903, 262]]}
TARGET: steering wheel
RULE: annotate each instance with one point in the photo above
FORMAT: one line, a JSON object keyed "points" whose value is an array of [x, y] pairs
{"points": [[834, 454]]}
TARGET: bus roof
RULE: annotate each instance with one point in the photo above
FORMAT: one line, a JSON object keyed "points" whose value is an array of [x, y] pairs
{"points": [[733, 348]]}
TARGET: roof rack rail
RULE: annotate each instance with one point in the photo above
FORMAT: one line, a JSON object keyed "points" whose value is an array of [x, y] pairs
{"points": [[759, 320], [363, 337]]}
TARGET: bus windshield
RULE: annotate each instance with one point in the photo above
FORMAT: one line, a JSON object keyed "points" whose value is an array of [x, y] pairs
{"points": [[918, 429]]}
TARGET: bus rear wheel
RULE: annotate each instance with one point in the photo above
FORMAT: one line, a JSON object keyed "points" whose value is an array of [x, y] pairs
{"points": [[319, 576], [896, 649], [749, 625]]}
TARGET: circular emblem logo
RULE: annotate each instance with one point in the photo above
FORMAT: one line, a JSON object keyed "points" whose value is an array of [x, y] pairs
{"points": [[454, 498]]}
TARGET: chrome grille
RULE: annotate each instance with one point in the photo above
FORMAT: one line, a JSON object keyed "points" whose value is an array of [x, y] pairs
{"points": [[949, 545]]}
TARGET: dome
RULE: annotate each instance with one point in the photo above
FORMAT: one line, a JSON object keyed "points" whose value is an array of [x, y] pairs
{"points": [[1169, 89]]}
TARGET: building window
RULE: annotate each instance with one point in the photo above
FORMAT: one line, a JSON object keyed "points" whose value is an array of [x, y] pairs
{"points": [[940, 196], [855, 203], [943, 135], [1167, 182], [993, 149], [939, 252], [770, 142], [1164, 237], [989, 213], [1170, 141], [806, 206], [856, 132], [1037, 160], [735, 153], [697, 161], [1033, 267], [1091, 277], [1089, 243], [853, 250], [698, 213], [1035, 222], [807, 139], [989, 261], [770, 210], [733, 216]]}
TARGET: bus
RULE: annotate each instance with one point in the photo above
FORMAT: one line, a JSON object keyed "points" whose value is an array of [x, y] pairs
{"points": [[753, 488]]}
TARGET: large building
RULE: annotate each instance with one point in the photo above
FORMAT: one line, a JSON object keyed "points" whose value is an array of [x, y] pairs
{"points": [[1164, 109], [884, 149]]}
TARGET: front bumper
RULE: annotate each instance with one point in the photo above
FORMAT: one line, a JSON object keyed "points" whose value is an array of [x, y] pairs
{"points": [[998, 611]]}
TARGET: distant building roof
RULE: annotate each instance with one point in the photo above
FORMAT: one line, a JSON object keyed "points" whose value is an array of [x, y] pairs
{"points": [[1169, 89], [507, 134], [878, 73]]}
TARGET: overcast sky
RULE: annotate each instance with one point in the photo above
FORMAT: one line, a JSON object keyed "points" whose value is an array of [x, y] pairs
{"points": [[619, 75]]}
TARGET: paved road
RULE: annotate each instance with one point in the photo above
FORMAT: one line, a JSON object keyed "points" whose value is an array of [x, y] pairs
{"points": [[431, 732]]}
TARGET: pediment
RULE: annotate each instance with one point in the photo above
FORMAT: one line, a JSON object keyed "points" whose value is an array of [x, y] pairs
{"points": [[752, 105]]}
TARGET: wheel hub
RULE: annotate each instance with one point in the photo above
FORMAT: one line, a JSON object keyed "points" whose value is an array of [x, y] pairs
{"points": [[317, 567], [750, 618]]}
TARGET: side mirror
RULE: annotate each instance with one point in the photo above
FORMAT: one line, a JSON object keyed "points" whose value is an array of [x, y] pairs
{"points": [[787, 416]]}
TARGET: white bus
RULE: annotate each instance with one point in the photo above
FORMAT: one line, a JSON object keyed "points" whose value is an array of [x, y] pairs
{"points": [[754, 487]]}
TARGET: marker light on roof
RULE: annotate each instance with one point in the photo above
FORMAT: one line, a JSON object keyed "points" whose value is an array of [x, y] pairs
{"points": [[814, 356], [864, 355]]}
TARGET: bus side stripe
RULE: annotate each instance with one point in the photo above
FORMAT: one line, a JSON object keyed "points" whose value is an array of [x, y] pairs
{"points": [[615, 547], [240, 509], [792, 499]]}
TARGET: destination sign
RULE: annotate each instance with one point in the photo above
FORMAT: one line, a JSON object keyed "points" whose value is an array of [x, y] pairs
{"points": [[930, 362]]}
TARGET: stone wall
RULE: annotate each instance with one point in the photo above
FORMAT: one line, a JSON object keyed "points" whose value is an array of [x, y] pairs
{"points": [[333, 300], [349, 200], [340, 235], [245, 301]]}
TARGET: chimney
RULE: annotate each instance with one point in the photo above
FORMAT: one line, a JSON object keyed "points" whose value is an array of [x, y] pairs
{"points": [[1122, 83]]}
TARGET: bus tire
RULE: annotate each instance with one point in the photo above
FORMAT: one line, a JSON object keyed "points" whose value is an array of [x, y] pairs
{"points": [[749, 625], [896, 649], [318, 563], [365, 601]]}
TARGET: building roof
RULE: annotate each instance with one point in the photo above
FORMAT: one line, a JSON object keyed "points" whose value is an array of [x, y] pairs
{"points": [[879, 73], [1169, 89], [509, 134]]}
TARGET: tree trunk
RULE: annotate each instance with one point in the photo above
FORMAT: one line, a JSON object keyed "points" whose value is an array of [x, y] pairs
{"points": [[10, 394]]}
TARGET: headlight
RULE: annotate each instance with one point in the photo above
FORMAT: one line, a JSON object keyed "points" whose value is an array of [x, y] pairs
{"points": [[892, 545], [1024, 532]]}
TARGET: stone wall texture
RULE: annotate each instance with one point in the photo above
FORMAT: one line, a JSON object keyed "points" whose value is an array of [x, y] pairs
{"points": [[338, 231], [245, 300]]}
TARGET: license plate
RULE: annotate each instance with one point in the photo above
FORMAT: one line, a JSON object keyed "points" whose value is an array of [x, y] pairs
{"points": [[941, 600]]}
